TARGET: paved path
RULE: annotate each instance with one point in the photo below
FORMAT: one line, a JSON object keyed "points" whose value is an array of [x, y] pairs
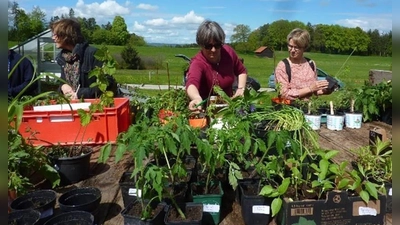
{"points": [[165, 87]]}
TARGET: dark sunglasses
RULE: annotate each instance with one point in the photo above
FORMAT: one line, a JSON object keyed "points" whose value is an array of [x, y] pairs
{"points": [[210, 46]]}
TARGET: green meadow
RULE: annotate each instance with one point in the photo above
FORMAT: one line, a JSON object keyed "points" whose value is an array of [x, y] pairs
{"points": [[352, 70]]}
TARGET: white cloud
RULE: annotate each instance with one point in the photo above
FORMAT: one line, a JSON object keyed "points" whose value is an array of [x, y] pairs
{"points": [[108, 8], [191, 17], [368, 23], [156, 22], [147, 7], [138, 27]]}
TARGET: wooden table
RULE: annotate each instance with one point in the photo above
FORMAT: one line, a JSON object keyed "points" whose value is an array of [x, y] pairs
{"points": [[106, 176]]}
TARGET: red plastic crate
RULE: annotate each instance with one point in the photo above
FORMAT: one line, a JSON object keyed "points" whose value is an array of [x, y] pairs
{"points": [[63, 127]]}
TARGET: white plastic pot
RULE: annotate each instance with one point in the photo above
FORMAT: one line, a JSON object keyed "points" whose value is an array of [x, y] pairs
{"points": [[353, 120], [335, 122], [314, 121]]}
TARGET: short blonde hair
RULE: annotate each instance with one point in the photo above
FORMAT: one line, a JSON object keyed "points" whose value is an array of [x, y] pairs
{"points": [[300, 37]]}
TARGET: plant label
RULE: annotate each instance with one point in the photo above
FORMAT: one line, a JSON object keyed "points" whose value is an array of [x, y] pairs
{"points": [[46, 213], [212, 208], [367, 211], [135, 192], [390, 192], [260, 209]]}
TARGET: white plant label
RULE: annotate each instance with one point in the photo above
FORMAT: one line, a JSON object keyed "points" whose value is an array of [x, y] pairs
{"points": [[211, 208], [46, 213], [366, 211], [135, 192], [390, 192], [260, 209]]}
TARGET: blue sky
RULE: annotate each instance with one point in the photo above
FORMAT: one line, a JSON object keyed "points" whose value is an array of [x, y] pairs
{"points": [[176, 21]]}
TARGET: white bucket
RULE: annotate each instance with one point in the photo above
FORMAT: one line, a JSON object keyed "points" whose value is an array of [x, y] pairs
{"points": [[314, 121], [353, 120], [334, 122]]}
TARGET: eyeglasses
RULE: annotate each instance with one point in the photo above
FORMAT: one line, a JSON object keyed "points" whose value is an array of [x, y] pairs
{"points": [[210, 46], [296, 48]]}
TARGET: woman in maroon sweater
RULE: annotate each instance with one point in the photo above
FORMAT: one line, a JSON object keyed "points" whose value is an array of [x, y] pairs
{"points": [[215, 64]]}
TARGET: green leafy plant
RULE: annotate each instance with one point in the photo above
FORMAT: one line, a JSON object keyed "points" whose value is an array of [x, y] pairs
{"points": [[148, 140], [311, 106], [23, 157], [375, 161], [276, 193], [374, 100]]}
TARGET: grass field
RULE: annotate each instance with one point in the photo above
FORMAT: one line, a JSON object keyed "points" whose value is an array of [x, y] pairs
{"points": [[353, 70]]}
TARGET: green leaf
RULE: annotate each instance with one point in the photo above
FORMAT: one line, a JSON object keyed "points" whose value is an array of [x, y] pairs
{"points": [[330, 154], [284, 186], [364, 196], [343, 183], [276, 206], [266, 190], [105, 151], [371, 188]]}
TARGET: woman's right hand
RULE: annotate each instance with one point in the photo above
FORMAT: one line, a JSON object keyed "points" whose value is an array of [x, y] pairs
{"points": [[319, 85], [68, 91], [194, 103]]}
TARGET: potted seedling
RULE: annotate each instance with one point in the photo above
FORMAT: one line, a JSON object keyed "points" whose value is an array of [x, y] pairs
{"points": [[312, 111], [167, 145], [334, 119], [353, 117], [375, 101], [73, 160]]}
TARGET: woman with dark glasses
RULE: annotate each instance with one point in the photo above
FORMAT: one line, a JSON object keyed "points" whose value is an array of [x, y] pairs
{"points": [[216, 64]]}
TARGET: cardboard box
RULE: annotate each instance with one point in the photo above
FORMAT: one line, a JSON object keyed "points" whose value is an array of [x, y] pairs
{"points": [[377, 132], [337, 209]]}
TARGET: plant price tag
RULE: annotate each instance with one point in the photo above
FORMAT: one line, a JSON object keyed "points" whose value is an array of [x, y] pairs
{"points": [[260, 209], [211, 208], [46, 213], [135, 192], [390, 192], [366, 211]]}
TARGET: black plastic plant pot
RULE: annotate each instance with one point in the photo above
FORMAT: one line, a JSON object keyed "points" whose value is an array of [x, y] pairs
{"points": [[40, 200], [73, 169], [158, 212], [72, 218], [25, 216], [80, 199], [256, 209], [128, 188], [172, 216]]}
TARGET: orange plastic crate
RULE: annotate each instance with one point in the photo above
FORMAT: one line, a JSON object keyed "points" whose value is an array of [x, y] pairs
{"points": [[64, 128]]}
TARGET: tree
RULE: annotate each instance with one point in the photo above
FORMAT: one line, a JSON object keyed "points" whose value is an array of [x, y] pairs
{"points": [[131, 57], [119, 32], [240, 37], [136, 40], [101, 36], [71, 13], [37, 21], [23, 29]]}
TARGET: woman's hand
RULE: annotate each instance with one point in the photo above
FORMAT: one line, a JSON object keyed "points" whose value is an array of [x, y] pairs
{"points": [[239, 92], [68, 91], [194, 105], [319, 85]]}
